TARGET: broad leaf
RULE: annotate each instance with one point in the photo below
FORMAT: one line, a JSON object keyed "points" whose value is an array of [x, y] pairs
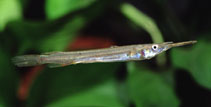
{"points": [[148, 88], [10, 10], [58, 8], [196, 60]]}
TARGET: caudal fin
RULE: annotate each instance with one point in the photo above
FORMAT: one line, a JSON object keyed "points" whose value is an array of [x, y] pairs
{"points": [[27, 60]]}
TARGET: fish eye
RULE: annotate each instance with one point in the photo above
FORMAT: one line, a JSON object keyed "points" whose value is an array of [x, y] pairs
{"points": [[155, 47]]}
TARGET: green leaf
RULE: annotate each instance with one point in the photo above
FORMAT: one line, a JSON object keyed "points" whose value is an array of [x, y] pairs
{"points": [[76, 85], [58, 8], [10, 10], [147, 88], [196, 60], [8, 80]]}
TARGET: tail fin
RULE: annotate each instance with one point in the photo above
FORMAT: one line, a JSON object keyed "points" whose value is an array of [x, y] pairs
{"points": [[27, 60]]}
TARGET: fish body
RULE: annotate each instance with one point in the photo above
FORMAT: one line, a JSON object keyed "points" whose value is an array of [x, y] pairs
{"points": [[112, 54]]}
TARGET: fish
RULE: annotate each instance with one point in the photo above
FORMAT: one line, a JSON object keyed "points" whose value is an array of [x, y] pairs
{"points": [[112, 54]]}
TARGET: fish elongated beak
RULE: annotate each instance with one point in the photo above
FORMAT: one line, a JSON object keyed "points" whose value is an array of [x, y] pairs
{"points": [[171, 44]]}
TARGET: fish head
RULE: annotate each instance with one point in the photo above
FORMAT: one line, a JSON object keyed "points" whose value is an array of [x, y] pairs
{"points": [[154, 49]]}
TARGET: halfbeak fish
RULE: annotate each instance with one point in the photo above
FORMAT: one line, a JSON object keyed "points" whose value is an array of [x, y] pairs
{"points": [[112, 54]]}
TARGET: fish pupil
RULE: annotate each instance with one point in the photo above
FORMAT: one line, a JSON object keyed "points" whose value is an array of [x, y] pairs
{"points": [[154, 47]]}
